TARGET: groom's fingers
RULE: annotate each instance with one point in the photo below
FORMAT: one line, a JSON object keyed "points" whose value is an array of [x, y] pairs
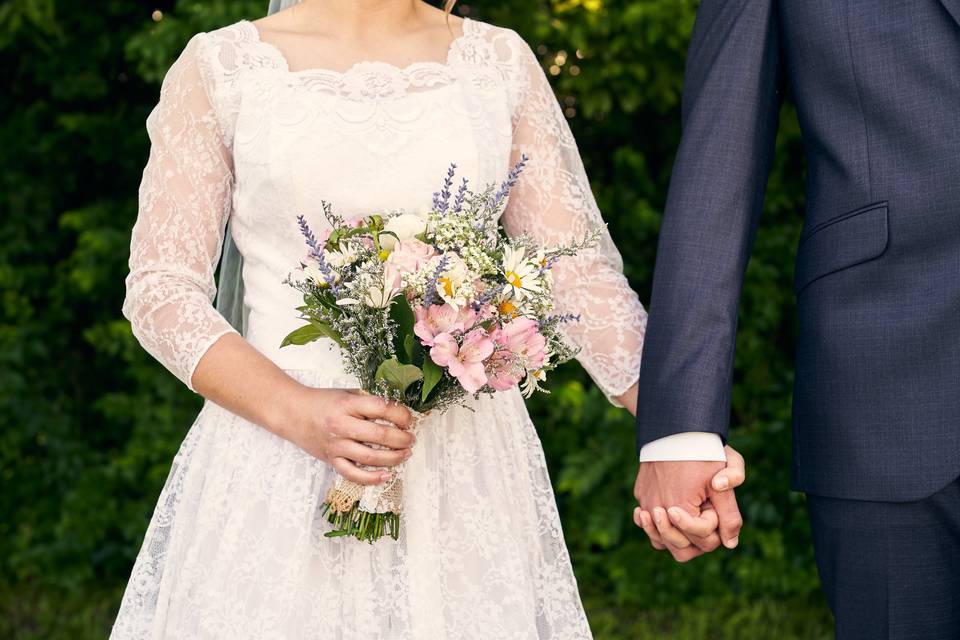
{"points": [[725, 503], [645, 522], [731, 476], [670, 534], [700, 530], [680, 555], [700, 526], [685, 555]]}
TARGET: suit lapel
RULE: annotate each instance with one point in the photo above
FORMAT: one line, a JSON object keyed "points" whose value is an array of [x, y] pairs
{"points": [[953, 6]]}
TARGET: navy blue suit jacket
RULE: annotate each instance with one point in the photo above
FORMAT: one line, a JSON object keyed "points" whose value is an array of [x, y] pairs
{"points": [[877, 87]]}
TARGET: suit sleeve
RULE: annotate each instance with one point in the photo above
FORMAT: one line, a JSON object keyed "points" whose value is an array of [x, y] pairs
{"points": [[731, 106]]}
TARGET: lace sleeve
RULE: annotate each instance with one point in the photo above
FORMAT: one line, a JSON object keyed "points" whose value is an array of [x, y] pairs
{"points": [[185, 200], [553, 202]]}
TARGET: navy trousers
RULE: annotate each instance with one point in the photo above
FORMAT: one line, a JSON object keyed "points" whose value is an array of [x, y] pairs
{"points": [[891, 570]]}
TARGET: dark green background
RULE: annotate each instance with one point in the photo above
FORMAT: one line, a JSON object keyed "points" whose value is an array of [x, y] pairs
{"points": [[90, 422]]}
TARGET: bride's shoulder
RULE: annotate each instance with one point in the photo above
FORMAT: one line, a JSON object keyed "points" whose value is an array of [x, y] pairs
{"points": [[500, 45], [494, 33], [222, 51], [238, 32]]}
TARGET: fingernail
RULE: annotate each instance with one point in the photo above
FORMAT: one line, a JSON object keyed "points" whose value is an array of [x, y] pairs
{"points": [[408, 454], [674, 513], [732, 542], [722, 482], [657, 517]]}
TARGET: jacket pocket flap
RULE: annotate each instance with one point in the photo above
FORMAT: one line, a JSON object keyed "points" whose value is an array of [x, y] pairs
{"points": [[843, 242]]}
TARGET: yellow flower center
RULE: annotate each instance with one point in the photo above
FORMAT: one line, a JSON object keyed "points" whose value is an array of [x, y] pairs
{"points": [[506, 308], [514, 279], [447, 286]]}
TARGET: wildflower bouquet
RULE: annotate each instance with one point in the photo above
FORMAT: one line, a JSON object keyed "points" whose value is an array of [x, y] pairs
{"points": [[429, 309]]}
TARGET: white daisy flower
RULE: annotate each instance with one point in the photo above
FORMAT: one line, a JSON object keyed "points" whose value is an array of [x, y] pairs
{"points": [[522, 275]]}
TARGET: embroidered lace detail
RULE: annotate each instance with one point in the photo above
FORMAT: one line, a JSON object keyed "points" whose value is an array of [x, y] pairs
{"points": [[184, 205], [367, 80]]}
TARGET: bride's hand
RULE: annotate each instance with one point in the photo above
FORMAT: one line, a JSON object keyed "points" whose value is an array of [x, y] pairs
{"points": [[333, 425]]}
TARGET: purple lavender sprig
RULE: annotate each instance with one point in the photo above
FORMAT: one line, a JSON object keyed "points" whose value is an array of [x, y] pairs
{"points": [[487, 297], [461, 196], [509, 183], [316, 252], [431, 293], [559, 319], [441, 199]]}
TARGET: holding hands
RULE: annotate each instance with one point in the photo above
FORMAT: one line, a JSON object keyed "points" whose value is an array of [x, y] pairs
{"points": [[688, 507]]}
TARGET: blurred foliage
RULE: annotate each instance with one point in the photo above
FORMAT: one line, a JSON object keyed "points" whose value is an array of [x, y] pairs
{"points": [[90, 423]]}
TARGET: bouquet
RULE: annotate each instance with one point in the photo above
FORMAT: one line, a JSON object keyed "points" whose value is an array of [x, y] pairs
{"points": [[429, 309]]}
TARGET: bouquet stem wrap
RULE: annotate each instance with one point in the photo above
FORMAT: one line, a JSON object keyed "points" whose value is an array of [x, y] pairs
{"points": [[368, 512]]}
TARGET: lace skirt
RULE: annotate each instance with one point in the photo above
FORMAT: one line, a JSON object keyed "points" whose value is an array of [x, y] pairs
{"points": [[235, 548]]}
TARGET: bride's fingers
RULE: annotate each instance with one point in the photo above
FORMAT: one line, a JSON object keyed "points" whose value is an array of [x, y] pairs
{"points": [[354, 473], [645, 522], [362, 454], [733, 475], [700, 526], [668, 533]]}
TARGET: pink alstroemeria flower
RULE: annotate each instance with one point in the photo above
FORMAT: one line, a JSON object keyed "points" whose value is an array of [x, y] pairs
{"points": [[523, 338], [441, 318], [464, 362], [503, 370]]}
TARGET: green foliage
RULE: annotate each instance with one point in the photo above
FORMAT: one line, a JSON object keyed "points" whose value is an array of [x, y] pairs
{"points": [[398, 376], [90, 422]]}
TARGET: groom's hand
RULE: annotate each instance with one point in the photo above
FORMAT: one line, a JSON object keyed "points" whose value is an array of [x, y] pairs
{"points": [[684, 503]]}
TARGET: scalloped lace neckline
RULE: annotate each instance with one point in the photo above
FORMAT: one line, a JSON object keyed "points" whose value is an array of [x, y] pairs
{"points": [[361, 65]]}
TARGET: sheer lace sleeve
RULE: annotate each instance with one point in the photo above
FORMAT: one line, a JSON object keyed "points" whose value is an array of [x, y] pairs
{"points": [[553, 202], [185, 200]]}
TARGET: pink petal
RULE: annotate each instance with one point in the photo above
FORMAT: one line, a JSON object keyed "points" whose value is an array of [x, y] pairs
{"points": [[472, 377], [445, 350], [422, 327], [477, 346]]}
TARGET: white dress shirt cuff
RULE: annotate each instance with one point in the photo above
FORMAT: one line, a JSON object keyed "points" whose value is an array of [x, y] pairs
{"points": [[694, 445]]}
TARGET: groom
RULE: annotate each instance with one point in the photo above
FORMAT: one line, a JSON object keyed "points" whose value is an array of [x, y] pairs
{"points": [[876, 405]]}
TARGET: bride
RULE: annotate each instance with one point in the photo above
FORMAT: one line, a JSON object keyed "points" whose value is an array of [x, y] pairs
{"points": [[362, 103]]}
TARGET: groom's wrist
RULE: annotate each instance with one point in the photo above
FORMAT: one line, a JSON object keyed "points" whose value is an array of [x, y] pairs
{"points": [[692, 445]]}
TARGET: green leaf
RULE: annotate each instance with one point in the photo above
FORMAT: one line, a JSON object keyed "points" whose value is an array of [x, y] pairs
{"points": [[409, 347], [432, 373], [310, 332], [398, 376], [305, 334], [402, 315]]}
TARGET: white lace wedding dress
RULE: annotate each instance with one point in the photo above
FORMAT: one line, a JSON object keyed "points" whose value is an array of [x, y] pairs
{"points": [[235, 548]]}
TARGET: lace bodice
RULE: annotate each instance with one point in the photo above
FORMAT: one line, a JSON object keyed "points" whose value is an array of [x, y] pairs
{"points": [[238, 135]]}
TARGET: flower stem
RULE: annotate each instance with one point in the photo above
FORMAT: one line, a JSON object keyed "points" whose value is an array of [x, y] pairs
{"points": [[362, 525]]}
